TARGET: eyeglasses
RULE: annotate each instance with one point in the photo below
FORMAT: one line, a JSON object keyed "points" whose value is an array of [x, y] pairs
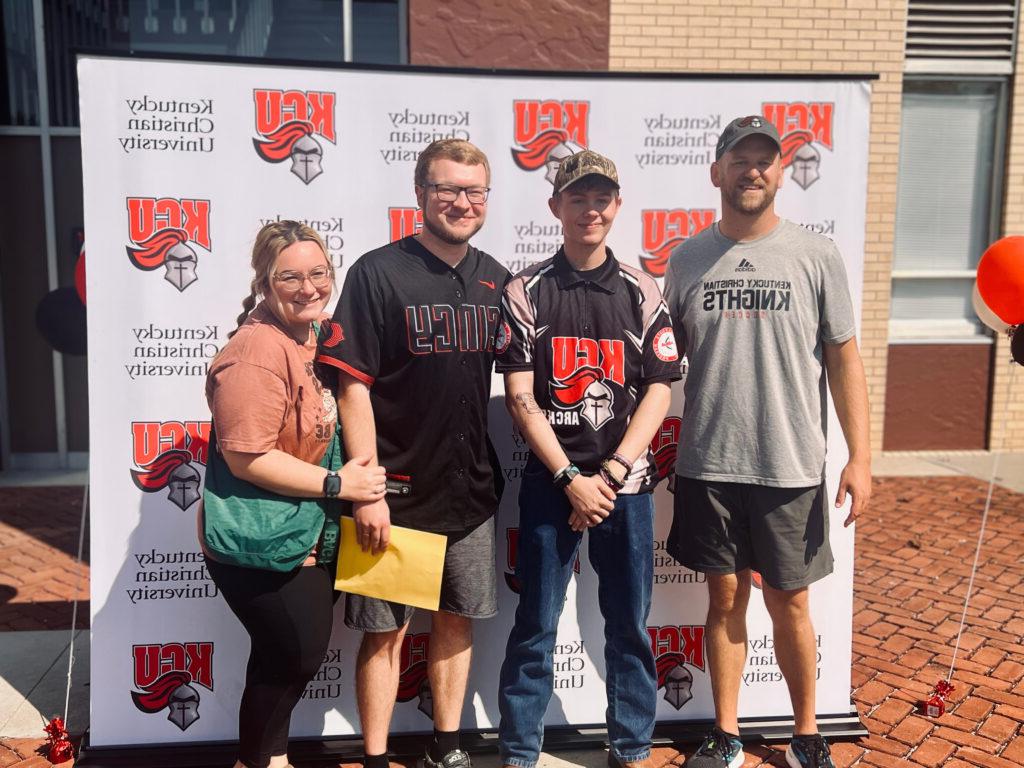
{"points": [[320, 278], [448, 193]]}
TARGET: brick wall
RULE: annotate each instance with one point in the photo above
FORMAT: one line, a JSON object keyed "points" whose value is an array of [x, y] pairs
{"points": [[793, 36], [509, 34], [1008, 401]]}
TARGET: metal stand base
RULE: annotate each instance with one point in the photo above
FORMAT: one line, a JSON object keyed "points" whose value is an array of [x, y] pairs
{"points": [[350, 749]]}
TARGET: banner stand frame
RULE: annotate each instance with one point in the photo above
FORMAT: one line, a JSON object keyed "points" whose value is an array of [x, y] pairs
{"points": [[350, 748]]}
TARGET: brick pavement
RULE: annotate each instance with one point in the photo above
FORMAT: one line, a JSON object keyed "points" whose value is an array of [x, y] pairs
{"points": [[913, 559], [38, 544]]}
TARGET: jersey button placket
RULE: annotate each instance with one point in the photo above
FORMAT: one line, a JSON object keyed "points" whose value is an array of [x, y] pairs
{"points": [[586, 306]]}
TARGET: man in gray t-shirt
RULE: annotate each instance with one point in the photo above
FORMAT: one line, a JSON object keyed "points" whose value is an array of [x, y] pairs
{"points": [[762, 309]]}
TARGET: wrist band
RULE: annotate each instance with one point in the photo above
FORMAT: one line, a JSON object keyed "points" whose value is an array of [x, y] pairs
{"points": [[626, 464], [609, 478], [565, 475]]}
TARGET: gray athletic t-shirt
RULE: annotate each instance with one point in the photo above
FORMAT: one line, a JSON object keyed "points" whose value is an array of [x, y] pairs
{"points": [[752, 317]]}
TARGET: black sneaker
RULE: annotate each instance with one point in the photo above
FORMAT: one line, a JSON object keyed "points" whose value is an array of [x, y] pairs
{"points": [[719, 750], [809, 752], [454, 759]]}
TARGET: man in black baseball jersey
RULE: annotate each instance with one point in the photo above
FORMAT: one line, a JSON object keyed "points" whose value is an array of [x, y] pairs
{"points": [[763, 312], [588, 354], [413, 339]]}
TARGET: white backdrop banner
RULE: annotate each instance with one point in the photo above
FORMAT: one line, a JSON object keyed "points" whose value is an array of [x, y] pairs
{"points": [[183, 162]]}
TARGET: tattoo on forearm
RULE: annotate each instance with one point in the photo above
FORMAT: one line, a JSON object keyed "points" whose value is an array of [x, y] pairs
{"points": [[527, 403]]}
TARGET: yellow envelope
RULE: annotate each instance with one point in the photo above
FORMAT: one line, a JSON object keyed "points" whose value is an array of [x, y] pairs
{"points": [[407, 572]]}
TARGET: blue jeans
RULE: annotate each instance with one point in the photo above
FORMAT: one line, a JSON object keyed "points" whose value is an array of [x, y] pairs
{"points": [[622, 554]]}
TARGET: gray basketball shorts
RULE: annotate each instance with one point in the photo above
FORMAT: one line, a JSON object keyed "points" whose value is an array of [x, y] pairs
{"points": [[468, 585], [782, 533]]}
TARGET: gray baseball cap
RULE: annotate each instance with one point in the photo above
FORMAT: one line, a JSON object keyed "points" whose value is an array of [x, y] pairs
{"points": [[585, 163], [740, 128]]}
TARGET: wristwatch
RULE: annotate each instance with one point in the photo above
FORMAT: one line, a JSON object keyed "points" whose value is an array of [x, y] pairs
{"points": [[332, 485], [565, 475]]}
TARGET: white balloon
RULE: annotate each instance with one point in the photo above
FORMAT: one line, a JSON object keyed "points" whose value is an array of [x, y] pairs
{"points": [[986, 315]]}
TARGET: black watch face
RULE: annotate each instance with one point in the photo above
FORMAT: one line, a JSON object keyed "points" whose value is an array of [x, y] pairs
{"points": [[332, 485]]}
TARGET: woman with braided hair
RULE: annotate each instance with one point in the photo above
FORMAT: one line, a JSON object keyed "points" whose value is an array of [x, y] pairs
{"points": [[274, 421]]}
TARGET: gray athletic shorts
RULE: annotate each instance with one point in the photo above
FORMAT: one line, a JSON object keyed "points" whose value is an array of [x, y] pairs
{"points": [[782, 533], [468, 586]]}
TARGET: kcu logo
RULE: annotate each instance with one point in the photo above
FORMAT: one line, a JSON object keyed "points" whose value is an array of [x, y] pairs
{"points": [[404, 222], [164, 676], [163, 230], [801, 125], [413, 682], [664, 229], [674, 648], [547, 132], [287, 121], [168, 454]]}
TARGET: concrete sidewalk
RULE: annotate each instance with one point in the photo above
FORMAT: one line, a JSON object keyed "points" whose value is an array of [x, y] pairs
{"points": [[34, 677], [978, 464], [913, 560]]}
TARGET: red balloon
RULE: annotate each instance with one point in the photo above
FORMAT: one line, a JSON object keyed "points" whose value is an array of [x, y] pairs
{"points": [[80, 274], [1001, 279]]}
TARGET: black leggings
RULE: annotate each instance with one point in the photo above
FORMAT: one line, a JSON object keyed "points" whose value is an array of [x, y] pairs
{"points": [[288, 617]]}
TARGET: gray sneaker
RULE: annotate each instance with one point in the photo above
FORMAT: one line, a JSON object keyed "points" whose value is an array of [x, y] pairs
{"points": [[719, 750], [809, 752]]}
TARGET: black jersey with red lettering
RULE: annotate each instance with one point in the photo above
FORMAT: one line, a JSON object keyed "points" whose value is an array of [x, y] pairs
{"points": [[420, 334], [593, 340]]}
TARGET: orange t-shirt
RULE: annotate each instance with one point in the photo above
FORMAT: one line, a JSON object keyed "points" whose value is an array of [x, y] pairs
{"points": [[263, 392]]}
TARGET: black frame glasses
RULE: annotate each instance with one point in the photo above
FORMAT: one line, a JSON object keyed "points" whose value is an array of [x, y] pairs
{"points": [[449, 193]]}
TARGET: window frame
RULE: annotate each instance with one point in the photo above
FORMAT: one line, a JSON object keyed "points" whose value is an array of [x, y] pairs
{"points": [[948, 331]]}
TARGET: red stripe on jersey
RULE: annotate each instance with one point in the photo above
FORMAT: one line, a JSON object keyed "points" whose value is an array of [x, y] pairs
{"points": [[356, 374]]}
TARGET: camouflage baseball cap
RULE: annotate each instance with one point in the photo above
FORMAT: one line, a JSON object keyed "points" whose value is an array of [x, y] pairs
{"points": [[585, 163], [742, 127]]}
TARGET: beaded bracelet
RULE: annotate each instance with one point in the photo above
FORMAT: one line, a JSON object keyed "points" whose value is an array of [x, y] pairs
{"points": [[609, 478]]}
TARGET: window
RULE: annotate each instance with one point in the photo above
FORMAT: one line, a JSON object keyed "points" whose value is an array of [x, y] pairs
{"points": [[948, 202], [297, 30], [19, 97]]}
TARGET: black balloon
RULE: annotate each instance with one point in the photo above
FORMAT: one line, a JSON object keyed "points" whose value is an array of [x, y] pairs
{"points": [[1017, 345], [60, 317]]}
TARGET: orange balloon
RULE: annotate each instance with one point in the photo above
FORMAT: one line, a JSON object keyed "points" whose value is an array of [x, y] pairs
{"points": [[1001, 279]]}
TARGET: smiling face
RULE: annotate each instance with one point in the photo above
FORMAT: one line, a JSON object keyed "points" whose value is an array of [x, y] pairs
{"points": [[298, 307], [749, 175], [586, 210], [453, 222]]}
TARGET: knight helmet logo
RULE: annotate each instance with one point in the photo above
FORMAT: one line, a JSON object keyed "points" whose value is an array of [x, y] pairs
{"points": [[168, 455], [664, 229], [287, 121], [581, 371], [163, 231], [512, 557], [801, 125], [413, 682], [547, 132], [675, 648], [665, 446], [166, 677], [404, 222]]}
